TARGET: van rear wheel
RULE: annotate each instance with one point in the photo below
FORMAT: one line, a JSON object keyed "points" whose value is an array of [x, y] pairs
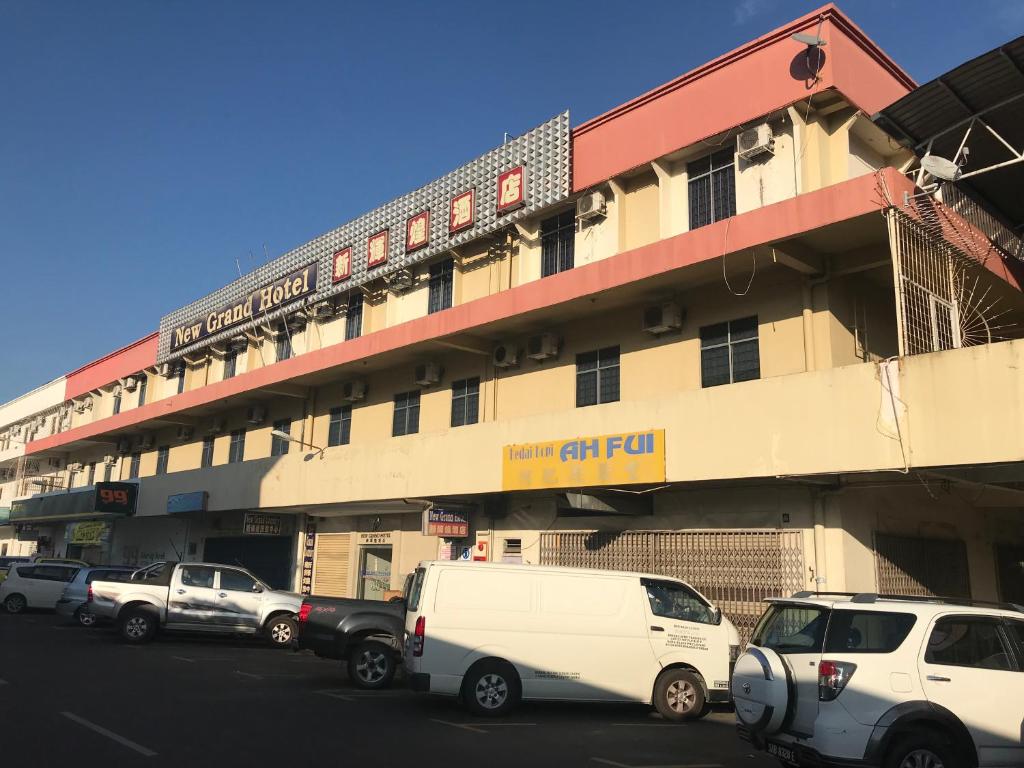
{"points": [[491, 688], [679, 695]]}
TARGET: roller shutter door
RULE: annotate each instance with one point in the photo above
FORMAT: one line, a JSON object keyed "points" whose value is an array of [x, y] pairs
{"points": [[331, 564], [910, 565]]}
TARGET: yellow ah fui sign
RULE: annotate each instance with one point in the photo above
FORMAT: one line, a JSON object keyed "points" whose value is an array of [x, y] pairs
{"points": [[619, 459]]}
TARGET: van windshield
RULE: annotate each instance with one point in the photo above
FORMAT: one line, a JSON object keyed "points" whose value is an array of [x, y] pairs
{"points": [[413, 588], [792, 628]]}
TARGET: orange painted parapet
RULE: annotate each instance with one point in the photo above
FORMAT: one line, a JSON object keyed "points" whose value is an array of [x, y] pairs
{"points": [[118, 364]]}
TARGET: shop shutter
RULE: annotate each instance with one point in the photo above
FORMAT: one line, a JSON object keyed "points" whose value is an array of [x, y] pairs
{"points": [[331, 564], [910, 565], [736, 570]]}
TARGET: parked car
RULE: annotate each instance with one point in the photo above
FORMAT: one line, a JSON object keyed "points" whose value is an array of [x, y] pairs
{"points": [[196, 597], [34, 586], [6, 562], [844, 680], [366, 634], [497, 633], [44, 559], [73, 601]]}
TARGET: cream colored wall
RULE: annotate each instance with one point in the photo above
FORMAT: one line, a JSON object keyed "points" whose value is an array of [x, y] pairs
{"points": [[642, 213], [41, 399]]}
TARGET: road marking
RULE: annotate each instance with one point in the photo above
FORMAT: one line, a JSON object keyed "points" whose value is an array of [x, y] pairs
{"points": [[182, 658], [605, 761], [335, 695], [463, 726], [248, 674], [109, 734]]}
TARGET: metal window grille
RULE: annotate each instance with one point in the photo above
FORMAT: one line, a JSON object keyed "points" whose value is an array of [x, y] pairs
{"points": [[230, 363], [284, 346], [143, 387], [407, 414], [278, 445], [236, 450], [557, 243], [340, 430], [117, 404], [729, 352], [465, 401], [207, 458], [91, 477], [712, 188], [597, 377], [907, 565], [736, 570], [133, 467], [181, 378], [163, 456], [441, 282], [354, 317]]}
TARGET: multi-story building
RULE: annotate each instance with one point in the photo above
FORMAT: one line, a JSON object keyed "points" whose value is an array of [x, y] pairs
{"points": [[719, 332]]}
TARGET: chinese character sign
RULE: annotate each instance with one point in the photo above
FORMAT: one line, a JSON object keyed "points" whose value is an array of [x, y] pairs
{"points": [[342, 265], [511, 189], [377, 249], [462, 211], [417, 231], [309, 550]]}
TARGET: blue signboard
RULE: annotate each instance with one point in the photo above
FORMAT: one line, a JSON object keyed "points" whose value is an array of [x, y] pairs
{"points": [[187, 502]]}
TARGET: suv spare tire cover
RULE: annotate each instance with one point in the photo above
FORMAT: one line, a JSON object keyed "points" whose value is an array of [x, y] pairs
{"points": [[760, 689]]}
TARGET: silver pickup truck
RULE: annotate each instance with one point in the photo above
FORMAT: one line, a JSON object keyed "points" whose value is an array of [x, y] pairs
{"points": [[195, 597]]}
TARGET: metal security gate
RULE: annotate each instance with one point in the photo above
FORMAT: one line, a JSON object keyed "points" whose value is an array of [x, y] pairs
{"points": [[908, 565], [736, 570], [331, 565]]}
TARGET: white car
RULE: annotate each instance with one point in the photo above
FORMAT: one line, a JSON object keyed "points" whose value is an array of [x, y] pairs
{"points": [[35, 585], [898, 682], [497, 633]]}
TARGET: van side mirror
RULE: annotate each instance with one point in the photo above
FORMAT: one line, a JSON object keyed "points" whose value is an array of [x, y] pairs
{"points": [[718, 616], [257, 588]]}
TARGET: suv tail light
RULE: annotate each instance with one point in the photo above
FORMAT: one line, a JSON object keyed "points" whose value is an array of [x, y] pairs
{"points": [[304, 612], [88, 594], [419, 635], [833, 677]]}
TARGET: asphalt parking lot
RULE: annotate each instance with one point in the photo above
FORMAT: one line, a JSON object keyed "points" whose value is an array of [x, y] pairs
{"points": [[79, 697]]}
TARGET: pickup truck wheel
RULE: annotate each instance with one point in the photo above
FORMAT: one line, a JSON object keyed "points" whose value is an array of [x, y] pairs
{"points": [[679, 695], [281, 631], [15, 603], [371, 665], [138, 625]]}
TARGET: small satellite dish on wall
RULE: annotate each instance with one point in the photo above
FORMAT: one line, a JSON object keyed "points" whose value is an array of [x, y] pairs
{"points": [[807, 39], [940, 167]]}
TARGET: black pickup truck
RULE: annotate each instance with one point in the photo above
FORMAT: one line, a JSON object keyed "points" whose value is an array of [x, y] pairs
{"points": [[367, 634]]}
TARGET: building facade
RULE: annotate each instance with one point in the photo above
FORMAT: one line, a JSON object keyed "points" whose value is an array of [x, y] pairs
{"points": [[724, 339]]}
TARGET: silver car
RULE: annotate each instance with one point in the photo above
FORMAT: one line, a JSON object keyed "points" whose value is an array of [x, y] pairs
{"points": [[73, 602]]}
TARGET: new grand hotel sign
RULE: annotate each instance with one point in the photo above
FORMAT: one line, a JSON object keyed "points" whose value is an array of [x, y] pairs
{"points": [[518, 179]]}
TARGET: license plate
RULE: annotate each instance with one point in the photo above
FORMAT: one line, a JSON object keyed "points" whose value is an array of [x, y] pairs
{"points": [[784, 753]]}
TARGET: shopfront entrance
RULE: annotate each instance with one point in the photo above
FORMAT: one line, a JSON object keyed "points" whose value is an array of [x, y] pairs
{"points": [[375, 573], [268, 557]]}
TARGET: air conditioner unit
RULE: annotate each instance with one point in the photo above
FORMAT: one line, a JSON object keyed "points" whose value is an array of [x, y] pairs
{"points": [[256, 415], [166, 370], [353, 390], [427, 374], [76, 467], [664, 317], [185, 432], [323, 311], [110, 459], [756, 141], [53, 422], [505, 356], [131, 384], [542, 346], [591, 205], [217, 425], [116, 391], [16, 430], [401, 280], [124, 445], [147, 442]]}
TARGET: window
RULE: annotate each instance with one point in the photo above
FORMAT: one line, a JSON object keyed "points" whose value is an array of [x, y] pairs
{"points": [[237, 581], [284, 346], [26, 572], [230, 363], [117, 403], [867, 631], [340, 431], [729, 352], [465, 401], [197, 576], [597, 377], [51, 572], [792, 629], [91, 475], [133, 468], [236, 451], [354, 317], [441, 278], [557, 239], [278, 445], [674, 601], [181, 378], [100, 575], [207, 457], [143, 386], [415, 588], [407, 414], [712, 188], [1017, 628], [163, 455], [968, 642]]}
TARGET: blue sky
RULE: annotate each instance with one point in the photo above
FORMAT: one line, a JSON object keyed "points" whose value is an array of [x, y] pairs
{"points": [[145, 146]]}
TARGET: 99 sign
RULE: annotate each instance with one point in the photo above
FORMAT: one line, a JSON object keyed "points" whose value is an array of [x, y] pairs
{"points": [[116, 498], [108, 496]]}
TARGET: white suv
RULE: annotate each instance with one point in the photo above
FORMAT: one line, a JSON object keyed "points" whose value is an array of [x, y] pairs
{"points": [[898, 682]]}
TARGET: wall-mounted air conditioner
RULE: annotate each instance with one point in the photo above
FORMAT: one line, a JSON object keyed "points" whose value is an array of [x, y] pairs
{"points": [[185, 432], [542, 346], [216, 426], [591, 205], [353, 390], [147, 442], [663, 317], [124, 445], [754, 142], [256, 415], [131, 384], [505, 356], [323, 311], [110, 459], [401, 280], [428, 374]]}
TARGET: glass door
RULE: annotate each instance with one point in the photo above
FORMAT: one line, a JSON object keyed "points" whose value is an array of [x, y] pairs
{"points": [[374, 572]]}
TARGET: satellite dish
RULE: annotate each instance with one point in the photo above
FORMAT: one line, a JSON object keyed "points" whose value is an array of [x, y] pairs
{"points": [[940, 167], [806, 39]]}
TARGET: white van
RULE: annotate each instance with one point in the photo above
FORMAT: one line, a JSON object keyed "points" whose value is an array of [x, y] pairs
{"points": [[495, 633]]}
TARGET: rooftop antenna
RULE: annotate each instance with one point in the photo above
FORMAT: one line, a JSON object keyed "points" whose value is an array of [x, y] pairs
{"points": [[940, 167], [814, 43], [287, 331]]}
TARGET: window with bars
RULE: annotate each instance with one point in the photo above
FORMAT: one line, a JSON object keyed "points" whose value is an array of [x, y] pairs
{"points": [[712, 188], [91, 476], [230, 363], [133, 467], [278, 445], [340, 430], [441, 283], [236, 450], [465, 401], [117, 404], [597, 377], [729, 352], [407, 414], [207, 457], [143, 387], [354, 317], [163, 457], [284, 346], [181, 378], [557, 240]]}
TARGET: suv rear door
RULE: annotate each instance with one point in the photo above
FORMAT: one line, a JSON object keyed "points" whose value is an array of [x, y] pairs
{"points": [[970, 665]]}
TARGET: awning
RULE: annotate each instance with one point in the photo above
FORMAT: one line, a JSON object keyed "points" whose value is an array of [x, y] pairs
{"points": [[94, 502]]}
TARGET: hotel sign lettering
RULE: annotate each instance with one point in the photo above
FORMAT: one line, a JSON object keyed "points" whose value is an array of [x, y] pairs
{"points": [[579, 462], [290, 288]]}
